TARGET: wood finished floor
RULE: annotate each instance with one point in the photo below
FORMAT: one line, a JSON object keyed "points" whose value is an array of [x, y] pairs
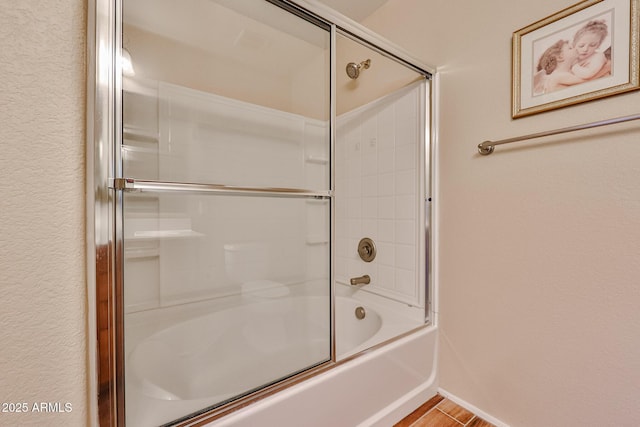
{"points": [[441, 412]]}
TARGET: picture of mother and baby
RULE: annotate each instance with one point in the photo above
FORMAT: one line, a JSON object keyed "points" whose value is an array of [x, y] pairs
{"points": [[572, 62]]}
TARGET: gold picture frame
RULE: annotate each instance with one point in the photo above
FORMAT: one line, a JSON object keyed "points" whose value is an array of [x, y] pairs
{"points": [[587, 51]]}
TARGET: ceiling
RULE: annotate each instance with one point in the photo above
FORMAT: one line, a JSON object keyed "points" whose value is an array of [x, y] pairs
{"points": [[354, 9]]}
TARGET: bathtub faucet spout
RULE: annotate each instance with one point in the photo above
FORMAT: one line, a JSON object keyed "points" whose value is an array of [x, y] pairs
{"points": [[362, 280]]}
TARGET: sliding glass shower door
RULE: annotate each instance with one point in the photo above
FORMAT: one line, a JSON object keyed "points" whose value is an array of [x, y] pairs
{"points": [[225, 175]]}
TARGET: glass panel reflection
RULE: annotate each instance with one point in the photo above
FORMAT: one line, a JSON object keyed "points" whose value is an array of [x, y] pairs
{"points": [[233, 92], [223, 294]]}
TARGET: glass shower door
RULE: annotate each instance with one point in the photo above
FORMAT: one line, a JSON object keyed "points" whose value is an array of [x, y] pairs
{"points": [[226, 210]]}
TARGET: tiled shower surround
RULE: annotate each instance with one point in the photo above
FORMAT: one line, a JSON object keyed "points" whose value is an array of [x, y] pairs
{"points": [[377, 193]]}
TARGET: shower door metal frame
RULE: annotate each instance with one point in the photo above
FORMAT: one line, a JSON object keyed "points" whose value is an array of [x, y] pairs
{"points": [[426, 163], [105, 360], [105, 185]]}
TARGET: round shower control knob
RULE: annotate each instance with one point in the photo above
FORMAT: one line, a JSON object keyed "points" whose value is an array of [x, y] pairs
{"points": [[367, 249]]}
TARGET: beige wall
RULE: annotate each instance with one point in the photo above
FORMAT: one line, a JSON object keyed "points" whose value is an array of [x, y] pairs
{"points": [[42, 224], [539, 242]]}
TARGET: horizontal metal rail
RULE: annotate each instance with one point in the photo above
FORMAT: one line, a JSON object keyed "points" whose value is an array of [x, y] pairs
{"points": [[129, 184], [486, 147]]}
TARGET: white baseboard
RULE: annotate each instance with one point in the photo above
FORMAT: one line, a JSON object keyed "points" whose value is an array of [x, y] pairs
{"points": [[468, 406], [403, 406]]}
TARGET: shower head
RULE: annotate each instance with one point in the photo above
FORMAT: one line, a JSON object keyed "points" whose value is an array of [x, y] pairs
{"points": [[353, 69]]}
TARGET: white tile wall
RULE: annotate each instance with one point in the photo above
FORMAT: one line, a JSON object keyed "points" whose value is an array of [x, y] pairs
{"points": [[377, 149]]}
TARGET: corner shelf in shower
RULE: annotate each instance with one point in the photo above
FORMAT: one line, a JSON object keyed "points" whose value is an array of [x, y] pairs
{"points": [[141, 252], [140, 86], [139, 134], [141, 150], [318, 202], [317, 160], [317, 240], [164, 234]]}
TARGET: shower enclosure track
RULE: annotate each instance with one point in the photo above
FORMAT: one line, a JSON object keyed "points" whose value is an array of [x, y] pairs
{"points": [[129, 184]]}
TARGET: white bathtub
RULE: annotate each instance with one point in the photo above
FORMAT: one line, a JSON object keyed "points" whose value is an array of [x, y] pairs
{"points": [[198, 362]]}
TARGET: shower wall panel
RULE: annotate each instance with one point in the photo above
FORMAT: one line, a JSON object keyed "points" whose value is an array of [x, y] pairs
{"points": [[175, 246]]}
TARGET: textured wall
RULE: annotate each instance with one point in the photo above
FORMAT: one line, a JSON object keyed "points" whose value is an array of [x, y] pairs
{"points": [[539, 242], [43, 298]]}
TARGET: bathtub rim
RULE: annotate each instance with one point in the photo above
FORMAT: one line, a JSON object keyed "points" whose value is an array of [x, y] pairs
{"points": [[209, 415]]}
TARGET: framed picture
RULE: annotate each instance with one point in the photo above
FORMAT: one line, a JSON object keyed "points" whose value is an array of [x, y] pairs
{"points": [[584, 52]]}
